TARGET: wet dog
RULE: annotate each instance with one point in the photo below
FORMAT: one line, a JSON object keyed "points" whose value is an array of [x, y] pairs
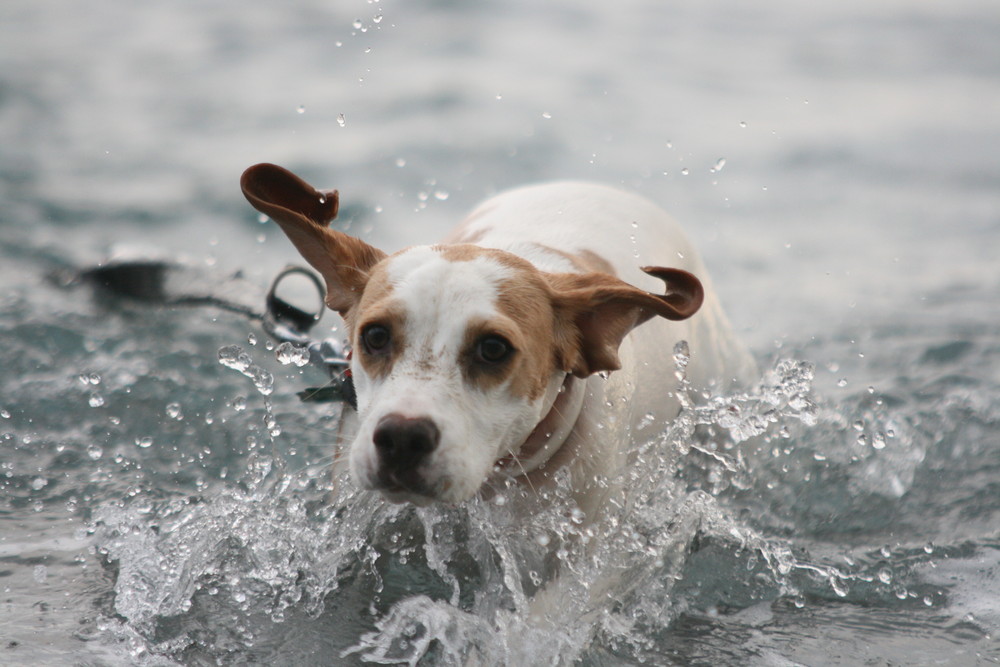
{"points": [[533, 339]]}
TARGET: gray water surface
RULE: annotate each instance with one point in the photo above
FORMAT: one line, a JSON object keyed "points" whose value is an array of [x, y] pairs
{"points": [[837, 165]]}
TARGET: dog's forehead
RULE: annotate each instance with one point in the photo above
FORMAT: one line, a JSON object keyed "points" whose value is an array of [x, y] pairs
{"points": [[441, 287], [476, 275]]}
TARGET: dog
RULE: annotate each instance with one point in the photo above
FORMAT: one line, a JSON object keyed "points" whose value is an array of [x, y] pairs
{"points": [[532, 340]]}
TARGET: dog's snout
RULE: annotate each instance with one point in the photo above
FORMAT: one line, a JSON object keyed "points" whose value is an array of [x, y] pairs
{"points": [[403, 442]]}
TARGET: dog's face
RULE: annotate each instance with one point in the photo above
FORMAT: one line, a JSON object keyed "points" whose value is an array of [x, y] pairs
{"points": [[454, 364], [459, 351]]}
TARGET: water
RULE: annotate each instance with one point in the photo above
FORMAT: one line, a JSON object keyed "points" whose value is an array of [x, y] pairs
{"points": [[160, 507]]}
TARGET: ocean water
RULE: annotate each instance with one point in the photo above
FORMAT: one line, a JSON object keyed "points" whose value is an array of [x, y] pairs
{"points": [[837, 165]]}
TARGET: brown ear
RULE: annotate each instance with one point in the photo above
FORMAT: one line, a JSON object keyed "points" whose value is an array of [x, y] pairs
{"points": [[595, 311], [304, 214]]}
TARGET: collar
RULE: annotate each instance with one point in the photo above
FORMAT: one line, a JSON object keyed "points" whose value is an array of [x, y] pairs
{"points": [[551, 432]]}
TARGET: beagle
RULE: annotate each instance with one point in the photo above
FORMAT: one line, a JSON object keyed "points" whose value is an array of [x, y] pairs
{"points": [[514, 348]]}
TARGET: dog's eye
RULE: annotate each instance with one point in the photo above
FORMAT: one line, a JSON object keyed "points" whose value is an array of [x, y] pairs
{"points": [[493, 349], [376, 338]]}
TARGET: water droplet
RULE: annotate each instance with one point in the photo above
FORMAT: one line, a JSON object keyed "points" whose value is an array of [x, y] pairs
{"points": [[577, 516], [287, 353], [377, 18], [39, 483], [40, 573], [743, 123], [542, 540], [546, 115], [144, 443], [929, 548], [262, 219], [4, 414], [95, 401], [94, 452], [174, 411], [440, 195], [885, 576], [301, 109], [839, 586], [341, 120], [885, 551], [719, 164], [682, 356], [252, 339], [499, 500], [357, 24], [878, 441], [240, 403], [842, 382], [685, 171], [400, 162], [928, 601], [233, 356]]}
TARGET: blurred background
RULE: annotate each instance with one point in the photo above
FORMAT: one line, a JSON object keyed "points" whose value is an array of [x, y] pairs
{"points": [[837, 164]]}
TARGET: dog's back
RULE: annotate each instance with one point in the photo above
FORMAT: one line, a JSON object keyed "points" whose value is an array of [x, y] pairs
{"points": [[576, 227]]}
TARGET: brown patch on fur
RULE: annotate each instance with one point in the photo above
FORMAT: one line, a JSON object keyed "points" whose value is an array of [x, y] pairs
{"points": [[486, 377], [595, 262], [525, 319], [527, 302], [378, 306], [468, 236], [462, 234], [304, 214], [595, 311], [585, 261]]}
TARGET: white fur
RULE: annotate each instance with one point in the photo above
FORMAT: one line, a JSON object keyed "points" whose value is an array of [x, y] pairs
{"points": [[596, 417]]}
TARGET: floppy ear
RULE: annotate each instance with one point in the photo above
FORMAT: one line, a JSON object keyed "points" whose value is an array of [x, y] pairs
{"points": [[304, 214], [595, 311]]}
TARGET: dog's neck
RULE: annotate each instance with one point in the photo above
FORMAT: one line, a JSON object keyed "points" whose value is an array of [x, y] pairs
{"points": [[564, 402]]}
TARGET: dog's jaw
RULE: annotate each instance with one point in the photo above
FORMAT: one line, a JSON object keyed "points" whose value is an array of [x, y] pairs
{"points": [[563, 402]]}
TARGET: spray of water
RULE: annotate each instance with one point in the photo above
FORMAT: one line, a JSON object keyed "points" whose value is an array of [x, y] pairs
{"points": [[521, 578]]}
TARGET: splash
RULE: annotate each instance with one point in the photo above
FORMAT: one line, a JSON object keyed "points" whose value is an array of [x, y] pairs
{"points": [[517, 579], [235, 357]]}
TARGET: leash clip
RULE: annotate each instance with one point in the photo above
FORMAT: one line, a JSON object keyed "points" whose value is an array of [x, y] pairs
{"points": [[289, 323]]}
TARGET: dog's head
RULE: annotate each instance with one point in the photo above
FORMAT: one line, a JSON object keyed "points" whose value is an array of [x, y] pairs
{"points": [[458, 351]]}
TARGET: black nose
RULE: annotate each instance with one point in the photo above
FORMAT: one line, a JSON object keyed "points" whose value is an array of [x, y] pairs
{"points": [[403, 443]]}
